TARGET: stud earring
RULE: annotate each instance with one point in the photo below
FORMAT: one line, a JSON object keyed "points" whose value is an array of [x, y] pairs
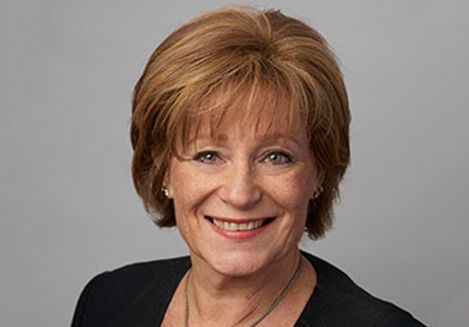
{"points": [[165, 191], [317, 192]]}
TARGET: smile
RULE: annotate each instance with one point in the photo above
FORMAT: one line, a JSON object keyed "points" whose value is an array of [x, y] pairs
{"points": [[225, 225], [244, 225]]}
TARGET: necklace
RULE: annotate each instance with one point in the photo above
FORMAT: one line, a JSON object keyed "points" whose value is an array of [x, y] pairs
{"points": [[271, 307]]}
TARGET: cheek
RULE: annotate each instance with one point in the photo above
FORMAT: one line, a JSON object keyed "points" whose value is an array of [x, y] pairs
{"points": [[185, 199], [295, 192], [189, 190]]}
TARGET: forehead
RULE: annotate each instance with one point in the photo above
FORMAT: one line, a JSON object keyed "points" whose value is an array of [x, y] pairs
{"points": [[263, 114]]}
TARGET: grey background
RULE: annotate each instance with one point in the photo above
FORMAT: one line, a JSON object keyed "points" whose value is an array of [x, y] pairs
{"points": [[68, 209]]}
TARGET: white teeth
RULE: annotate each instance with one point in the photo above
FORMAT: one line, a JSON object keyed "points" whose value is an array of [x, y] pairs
{"points": [[230, 226]]}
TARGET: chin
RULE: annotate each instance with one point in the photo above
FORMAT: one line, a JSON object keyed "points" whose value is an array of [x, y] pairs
{"points": [[238, 263], [240, 268]]}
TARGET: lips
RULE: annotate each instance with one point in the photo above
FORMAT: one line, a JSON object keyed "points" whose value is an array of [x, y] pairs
{"points": [[239, 225], [225, 225]]}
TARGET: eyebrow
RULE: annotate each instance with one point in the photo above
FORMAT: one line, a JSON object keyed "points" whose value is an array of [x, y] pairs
{"points": [[275, 136], [222, 138]]}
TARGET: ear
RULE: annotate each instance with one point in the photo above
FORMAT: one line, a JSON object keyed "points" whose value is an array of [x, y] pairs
{"points": [[166, 185], [156, 158], [316, 192], [321, 176]]}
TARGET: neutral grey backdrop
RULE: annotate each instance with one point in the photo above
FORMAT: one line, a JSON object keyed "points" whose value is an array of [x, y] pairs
{"points": [[68, 208]]}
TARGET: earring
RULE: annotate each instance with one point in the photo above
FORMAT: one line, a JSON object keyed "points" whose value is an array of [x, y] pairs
{"points": [[317, 192], [165, 191]]}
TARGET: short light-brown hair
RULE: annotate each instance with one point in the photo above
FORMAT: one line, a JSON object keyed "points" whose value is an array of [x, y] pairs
{"points": [[223, 56]]}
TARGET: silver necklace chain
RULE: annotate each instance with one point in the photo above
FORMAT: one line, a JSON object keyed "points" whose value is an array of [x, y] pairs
{"points": [[271, 307]]}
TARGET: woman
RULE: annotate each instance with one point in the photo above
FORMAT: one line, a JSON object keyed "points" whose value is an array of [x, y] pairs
{"points": [[240, 134]]}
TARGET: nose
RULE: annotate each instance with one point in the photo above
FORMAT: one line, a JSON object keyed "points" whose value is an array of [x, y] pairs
{"points": [[239, 187]]}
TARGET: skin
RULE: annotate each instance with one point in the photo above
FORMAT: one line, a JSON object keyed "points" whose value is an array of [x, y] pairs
{"points": [[243, 172]]}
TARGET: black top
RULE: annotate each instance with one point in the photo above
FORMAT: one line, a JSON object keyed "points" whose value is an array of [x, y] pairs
{"points": [[138, 295]]}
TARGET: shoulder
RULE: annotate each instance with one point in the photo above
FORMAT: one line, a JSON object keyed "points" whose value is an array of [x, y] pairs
{"points": [[115, 291], [339, 301]]}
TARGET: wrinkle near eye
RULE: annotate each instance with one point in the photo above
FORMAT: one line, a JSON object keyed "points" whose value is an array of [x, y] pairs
{"points": [[279, 158], [208, 157]]}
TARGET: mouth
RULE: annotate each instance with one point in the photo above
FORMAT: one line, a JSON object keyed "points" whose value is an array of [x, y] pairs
{"points": [[239, 225]]}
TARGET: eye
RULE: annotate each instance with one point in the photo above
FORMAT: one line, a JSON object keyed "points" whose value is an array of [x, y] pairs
{"points": [[278, 158], [208, 157]]}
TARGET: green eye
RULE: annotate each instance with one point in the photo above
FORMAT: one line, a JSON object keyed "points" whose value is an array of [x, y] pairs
{"points": [[278, 158], [206, 157]]}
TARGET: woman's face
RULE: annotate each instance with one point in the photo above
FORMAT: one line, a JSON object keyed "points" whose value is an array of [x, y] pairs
{"points": [[241, 196]]}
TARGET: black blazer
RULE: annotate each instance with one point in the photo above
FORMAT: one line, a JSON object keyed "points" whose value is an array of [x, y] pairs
{"points": [[138, 295]]}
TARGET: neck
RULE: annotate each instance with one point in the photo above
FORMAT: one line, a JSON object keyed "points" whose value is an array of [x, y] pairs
{"points": [[216, 297]]}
